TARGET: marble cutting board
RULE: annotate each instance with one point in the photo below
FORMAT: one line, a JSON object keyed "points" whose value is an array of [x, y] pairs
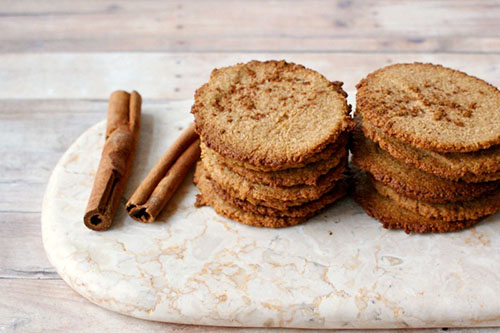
{"points": [[339, 270]]}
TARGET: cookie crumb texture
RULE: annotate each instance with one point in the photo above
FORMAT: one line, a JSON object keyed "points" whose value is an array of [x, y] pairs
{"points": [[277, 197], [449, 211], [393, 216], [472, 167], [209, 197], [307, 175], [270, 113], [408, 180], [431, 107]]}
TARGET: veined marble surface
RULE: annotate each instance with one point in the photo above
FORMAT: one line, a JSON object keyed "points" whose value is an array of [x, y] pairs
{"points": [[339, 270]]}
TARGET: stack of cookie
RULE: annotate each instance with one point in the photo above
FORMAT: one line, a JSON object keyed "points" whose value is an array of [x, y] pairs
{"points": [[428, 141], [273, 141]]}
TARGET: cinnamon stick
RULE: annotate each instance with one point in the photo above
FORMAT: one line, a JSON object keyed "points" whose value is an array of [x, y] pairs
{"points": [[163, 180], [122, 133]]}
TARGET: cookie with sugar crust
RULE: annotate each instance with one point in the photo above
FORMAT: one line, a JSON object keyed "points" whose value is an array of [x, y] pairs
{"points": [[208, 197], [327, 153], [384, 210], [272, 115], [409, 181], [264, 195], [449, 211], [473, 167], [307, 175], [304, 210], [431, 107]]}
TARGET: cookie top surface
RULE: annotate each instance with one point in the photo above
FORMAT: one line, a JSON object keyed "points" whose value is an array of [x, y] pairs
{"points": [[431, 107], [269, 113]]}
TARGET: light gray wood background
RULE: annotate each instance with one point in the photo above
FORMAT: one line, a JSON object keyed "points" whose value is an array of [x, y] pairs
{"points": [[60, 60]]}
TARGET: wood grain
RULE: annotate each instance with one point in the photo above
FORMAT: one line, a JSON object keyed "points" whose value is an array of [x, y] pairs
{"points": [[59, 60], [251, 26], [178, 75], [36, 132]]}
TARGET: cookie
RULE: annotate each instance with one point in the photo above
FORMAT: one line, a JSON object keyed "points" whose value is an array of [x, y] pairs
{"points": [[270, 114], [474, 167], [326, 154], [431, 107], [275, 197], [384, 210], [409, 181], [308, 175], [450, 211], [209, 197], [304, 210]]}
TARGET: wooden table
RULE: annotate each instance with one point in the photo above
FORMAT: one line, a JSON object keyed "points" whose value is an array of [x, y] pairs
{"points": [[60, 60]]}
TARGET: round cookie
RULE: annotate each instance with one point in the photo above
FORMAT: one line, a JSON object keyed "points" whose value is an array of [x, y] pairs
{"points": [[382, 209], [275, 197], [431, 107], [326, 154], [270, 114], [451, 211], [408, 180], [308, 175], [474, 167], [304, 210], [210, 198]]}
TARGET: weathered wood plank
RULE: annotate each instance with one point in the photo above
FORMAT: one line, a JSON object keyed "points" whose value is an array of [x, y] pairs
{"points": [[178, 75], [250, 26], [28, 159], [21, 251], [34, 135]]}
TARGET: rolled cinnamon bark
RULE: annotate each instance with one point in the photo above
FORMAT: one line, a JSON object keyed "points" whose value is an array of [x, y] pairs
{"points": [[122, 133], [163, 180]]}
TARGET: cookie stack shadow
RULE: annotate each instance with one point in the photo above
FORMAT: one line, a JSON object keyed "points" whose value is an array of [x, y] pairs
{"points": [[426, 145], [266, 160]]}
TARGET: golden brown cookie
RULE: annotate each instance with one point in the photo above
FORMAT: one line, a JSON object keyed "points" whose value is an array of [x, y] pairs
{"points": [[275, 197], [392, 216], [450, 211], [327, 153], [408, 180], [431, 107], [304, 210], [308, 175], [474, 167], [209, 197], [270, 114]]}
